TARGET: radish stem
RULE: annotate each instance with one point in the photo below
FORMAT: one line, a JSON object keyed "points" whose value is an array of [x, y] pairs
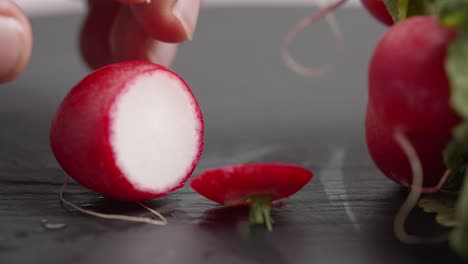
{"points": [[402, 9], [413, 196], [147, 220], [260, 212]]}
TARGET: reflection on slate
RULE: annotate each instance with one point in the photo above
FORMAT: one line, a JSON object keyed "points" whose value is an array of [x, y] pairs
{"points": [[255, 110]]}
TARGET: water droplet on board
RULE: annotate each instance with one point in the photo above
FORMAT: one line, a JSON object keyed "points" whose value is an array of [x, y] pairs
{"points": [[52, 226]]}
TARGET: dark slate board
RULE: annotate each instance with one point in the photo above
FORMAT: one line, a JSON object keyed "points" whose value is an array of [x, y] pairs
{"points": [[255, 110]]}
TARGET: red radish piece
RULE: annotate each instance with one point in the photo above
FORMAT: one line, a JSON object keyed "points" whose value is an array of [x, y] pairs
{"points": [[409, 93], [257, 184], [378, 10], [131, 131]]}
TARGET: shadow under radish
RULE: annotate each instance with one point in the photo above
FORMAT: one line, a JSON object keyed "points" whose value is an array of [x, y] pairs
{"points": [[231, 228], [383, 243]]}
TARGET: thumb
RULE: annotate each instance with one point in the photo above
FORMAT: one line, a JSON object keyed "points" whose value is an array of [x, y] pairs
{"points": [[15, 41]]}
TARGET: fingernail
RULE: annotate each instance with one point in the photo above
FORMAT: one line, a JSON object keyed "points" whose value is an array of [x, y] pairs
{"points": [[11, 46], [186, 11]]}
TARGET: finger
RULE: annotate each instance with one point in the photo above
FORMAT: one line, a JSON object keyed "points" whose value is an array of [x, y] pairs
{"points": [[130, 42], [15, 41], [95, 33], [133, 1], [168, 20]]}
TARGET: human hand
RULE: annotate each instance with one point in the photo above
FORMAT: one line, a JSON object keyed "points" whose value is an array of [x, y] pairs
{"points": [[113, 30], [133, 29], [15, 41]]}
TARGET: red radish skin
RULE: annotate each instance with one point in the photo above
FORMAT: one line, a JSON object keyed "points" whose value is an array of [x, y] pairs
{"points": [[408, 86], [234, 185], [390, 158], [378, 10], [409, 92], [83, 131], [253, 184]]}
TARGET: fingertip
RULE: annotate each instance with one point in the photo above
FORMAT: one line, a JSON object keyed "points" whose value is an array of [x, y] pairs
{"points": [[186, 12], [130, 42], [168, 20], [15, 41]]}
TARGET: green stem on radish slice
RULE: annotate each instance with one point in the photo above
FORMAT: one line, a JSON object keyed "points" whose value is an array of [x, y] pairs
{"points": [[260, 212]]}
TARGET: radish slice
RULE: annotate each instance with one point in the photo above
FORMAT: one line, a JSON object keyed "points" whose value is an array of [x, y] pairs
{"points": [[257, 184], [132, 131]]}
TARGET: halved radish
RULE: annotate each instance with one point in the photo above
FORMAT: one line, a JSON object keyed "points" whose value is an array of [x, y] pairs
{"points": [[257, 184], [130, 131]]}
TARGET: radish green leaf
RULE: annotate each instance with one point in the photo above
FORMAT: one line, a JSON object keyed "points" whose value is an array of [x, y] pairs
{"points": [[443, 205]]}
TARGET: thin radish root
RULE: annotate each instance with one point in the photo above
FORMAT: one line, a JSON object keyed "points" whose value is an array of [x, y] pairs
{"points": [[436, 188], [303, 24], [147, 220], [413, 196]]}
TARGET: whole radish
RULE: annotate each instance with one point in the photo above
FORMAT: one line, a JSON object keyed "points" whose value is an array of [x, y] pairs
{"points": [[409, 92], [378, 10], [131, 131]]}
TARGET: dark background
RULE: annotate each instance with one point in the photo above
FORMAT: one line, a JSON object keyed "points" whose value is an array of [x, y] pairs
{"points": [[255, 109]]}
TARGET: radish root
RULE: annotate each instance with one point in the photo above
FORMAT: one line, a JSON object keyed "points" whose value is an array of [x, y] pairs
{"points": [[413, 196], [436, 188], [303, 24], [161, 221]]}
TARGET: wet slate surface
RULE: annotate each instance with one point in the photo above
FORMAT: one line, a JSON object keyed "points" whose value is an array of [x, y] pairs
{"points": [[255, 110]]}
